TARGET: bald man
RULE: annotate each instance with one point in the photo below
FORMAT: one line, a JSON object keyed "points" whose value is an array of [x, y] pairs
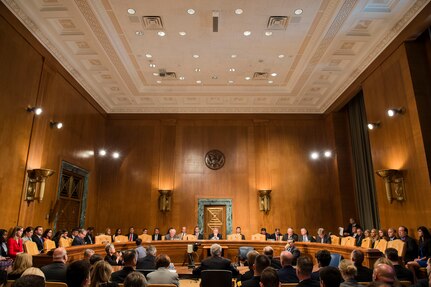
{"points": [[56, 271], [384, 273], [287, 273]]}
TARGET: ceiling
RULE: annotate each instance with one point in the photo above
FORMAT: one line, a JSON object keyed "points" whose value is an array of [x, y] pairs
{"points": [[302, 67]]}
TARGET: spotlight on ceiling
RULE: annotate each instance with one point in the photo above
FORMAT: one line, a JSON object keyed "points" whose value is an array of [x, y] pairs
{"points": [[102, 152], [36, 110], [57, 125], [327, 154], [372, 126], [314, 155], [394, 111]]}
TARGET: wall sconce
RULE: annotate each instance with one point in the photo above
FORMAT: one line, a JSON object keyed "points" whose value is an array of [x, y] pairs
{"points": [[393, 177], [57, 125], [36, 110], [165, 200], [372, 126], [36, 176], [265, 200], [396, 111], [315, 155]]}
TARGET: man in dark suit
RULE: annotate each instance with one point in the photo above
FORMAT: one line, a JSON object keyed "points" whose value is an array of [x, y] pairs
{"points": [[129, 266], [215, 235], [215, 262], [89, 239], [37, 237], [131, 235], [261, 262], [305, 237], [251, 258], [198, 234], [287, 274], [392, 234], [322, 237], [156, 236], [359, 236], [290, 246], [303, 271], [79, 240], [363, 274], [149, 261], [275, 263], [403, 274], [323, 259], [411, 245], [276, 235], [238, 231], [290, 235], [56, 271]]}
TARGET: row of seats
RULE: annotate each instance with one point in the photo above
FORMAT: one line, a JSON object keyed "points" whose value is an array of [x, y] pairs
{"points": [[60, 284], [381, 244]]}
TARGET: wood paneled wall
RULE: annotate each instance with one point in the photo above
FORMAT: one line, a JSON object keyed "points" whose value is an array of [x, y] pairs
{"points": [[167, 152], [399, 142]]}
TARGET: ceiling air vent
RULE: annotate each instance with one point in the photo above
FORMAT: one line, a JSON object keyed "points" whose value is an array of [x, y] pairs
{"points": [[152, 22], [167, 75], [260, 76], [277, 23]]}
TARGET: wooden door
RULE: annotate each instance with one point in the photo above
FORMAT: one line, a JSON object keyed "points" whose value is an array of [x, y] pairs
{"points": [[215, 216], [70, 200]]}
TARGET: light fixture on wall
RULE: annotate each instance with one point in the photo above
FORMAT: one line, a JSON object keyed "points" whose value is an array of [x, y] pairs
{"points": [[393, 177], [165, 200], [373, 126], [57, 125], [315, 155], [35, 177], [395, 111], [36, 110], [264, 200]]}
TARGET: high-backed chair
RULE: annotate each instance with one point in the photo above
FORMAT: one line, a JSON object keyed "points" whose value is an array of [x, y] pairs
{"points": [[216, 278], [366, 243], [348, 241], [64, 242], [258, 237], [190, 237], [103, 239], [381, 245], [30, 247], [335, 240], [234, 237], [399, 245], [48, 245], [145, 237], [121, 238]]}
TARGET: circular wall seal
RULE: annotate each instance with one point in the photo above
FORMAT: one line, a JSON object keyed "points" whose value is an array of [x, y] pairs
{"points": [[214, 159]]}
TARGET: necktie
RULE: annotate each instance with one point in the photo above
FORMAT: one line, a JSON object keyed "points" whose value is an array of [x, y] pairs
{"points": [[155, 236], [131, 237]]}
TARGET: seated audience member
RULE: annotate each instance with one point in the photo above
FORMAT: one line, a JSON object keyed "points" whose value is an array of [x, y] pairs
{"points": [[351, 228], [261, 262], [383, 260], [33, 271], [89, 238], [101, 274], [108, 231], [383, 234], [374, 236], [74, 232], [79, 240], [276, 235], [22, 262], [251, 257], [287, 274], [95, 258], [156, 236], [149, 261], [411, 245], [392, 234], [402, 273], [330, 277], [131, 235], [56, 271], [363, 274], [117, 232], [290, 247], [60, 235], [129, 266], [238, 231], [290, 235], [305, 237], [47, 234], [269, 278], [56, 237], [135, 279], [215, 261], [140, 250], [198, 234], [322, 237], [367, 233], [78, 273], [172, 234], [385, 273], [348, 272], [30, 281], [183, 233], [359, 236], [162, 275], [88, 253], [323, 258], [215, 235], [3, 243], [3, 278], [144, 230], [112, 257], [263, 232], [28, 233], [275, 263], [14, 242], [304, 268], [37, 237], [424, 250]]}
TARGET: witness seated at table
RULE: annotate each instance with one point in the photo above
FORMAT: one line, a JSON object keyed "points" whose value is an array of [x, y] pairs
{"points": [[290, 235], [131, 235], [129, 266], [264, 232], [215, 262], [261, 262], [215, 235], [112, 257], [149, 261], [162, 275]]}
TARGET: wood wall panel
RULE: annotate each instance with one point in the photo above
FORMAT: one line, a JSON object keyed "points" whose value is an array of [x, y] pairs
{"points": [[398, 143]]}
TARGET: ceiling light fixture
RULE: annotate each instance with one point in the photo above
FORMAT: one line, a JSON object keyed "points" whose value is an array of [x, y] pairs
{"points": [[234, 56], [197, 70], [247, 33], [156, 74], [57, 125], [148, 56], [274, 74], [139, 33], [298, 11], [182, 78], [195, 56], [102, 152], [270, 82], [230, 82], [314, 155], [182, 33], [268, 33], [372, 126], [191, 11], [393, 111], [239, 11], [281, 56], [37, 111], [161, 33], [115, 155], [214, 77], [152, 65], [131, 11], [327, 154], [247, 78], [232, 70], [158, 82], [198, 82]]}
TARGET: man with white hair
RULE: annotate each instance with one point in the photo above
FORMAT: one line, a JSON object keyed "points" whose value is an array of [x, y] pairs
{"points": [[215, 261], [56, 271]]}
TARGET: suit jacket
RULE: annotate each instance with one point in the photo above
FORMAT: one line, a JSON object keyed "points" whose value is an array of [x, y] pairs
{"points": [[310, 238], [56, 271], [134, 236], [295, 252], [363, 274], [421, 283], [39, 242], [274, 236], [326, 239], [403, 274], [350, 283], [253, 282], [200, 236], [247, 275], [168, 237], [359, 239], [112, 260], [275, 263], [308, 283], [159, 237], [163, 276], [294, 237], [211, 236], [216, 262], [148, 262], [88, 239], [411, 249], [287, 274], [78, 241], [3, 249], [120, 275]]}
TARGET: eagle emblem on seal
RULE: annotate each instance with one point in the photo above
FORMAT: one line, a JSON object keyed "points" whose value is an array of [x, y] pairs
{"points": [[214, 159]]}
